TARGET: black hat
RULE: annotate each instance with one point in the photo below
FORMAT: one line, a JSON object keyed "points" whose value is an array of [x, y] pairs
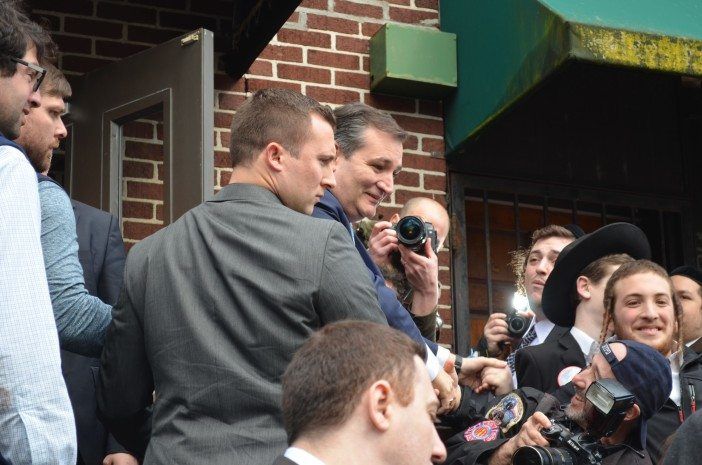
{"points": [[689, 272], [644, 372], [614, 238]]}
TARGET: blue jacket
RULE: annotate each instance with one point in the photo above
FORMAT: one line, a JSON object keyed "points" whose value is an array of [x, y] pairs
{"points": [[398, 317]]}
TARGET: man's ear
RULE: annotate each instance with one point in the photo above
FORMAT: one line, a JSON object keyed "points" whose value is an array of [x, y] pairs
{"points": [[395, 218], [582, 286], [632, 413], [274, 155], [380, 398]]}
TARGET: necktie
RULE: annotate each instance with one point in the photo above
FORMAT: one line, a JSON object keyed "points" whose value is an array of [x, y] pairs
{"points": [[526, 340]]}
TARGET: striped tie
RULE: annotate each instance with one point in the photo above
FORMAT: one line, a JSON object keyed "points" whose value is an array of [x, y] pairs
{"points": [[526, 340]]}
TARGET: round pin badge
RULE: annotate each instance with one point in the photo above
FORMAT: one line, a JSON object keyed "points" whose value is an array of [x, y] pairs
{"points": [[484, 431], [567, 374]]}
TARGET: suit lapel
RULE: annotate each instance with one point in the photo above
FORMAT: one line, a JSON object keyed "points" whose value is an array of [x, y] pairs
{"points": [[571, 355]]}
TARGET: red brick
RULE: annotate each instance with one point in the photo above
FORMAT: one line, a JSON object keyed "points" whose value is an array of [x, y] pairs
{"points": [[431, 108], [93, 27], [309, 38], [411, 143], [213, 7], [330, 95], [126, 13], [390, 103], [258, 84], [139, 231], [432, 145], [144, 190], [346, 79], [230, 102], [421, 125], [140, 210], [82, 64], [222, 159], [424, 162], [185, 21], [224, 177], [369, 29], [358, 9], [143, 150], [136, 169], [151, 35], [315, 4], [407, 178], [128, 245], [434, 183], [332, 60], [410, 15], [304, 73], [225, 137], [282, 53], [159, 212], [429, 4], [160, 170], [48, 22], [400, 2], [138, 129], [159, 131], [294, 18], [77, 7], [224, 82], [351, 44], [330, 23], [222, 120], [73, 44], [111, 48], [365, 63], [261, 68]]}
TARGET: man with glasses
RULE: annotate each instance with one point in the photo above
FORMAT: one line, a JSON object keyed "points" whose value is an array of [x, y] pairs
{"points": [[36, 416]]}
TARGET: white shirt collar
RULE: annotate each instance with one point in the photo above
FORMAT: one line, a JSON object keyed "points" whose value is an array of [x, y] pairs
{"points": [[301, 457], [583, 339], [675, 393], [542, 329]]}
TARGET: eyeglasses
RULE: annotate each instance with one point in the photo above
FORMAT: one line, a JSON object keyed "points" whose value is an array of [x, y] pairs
{"points": [[37, 72]]}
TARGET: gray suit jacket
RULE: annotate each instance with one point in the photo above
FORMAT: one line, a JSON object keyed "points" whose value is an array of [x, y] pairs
{"points": [[213, 308]]}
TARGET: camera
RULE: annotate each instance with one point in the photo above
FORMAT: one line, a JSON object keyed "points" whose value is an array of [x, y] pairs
{"points": [[517, 323], [606, 403], [412, 232], [567, 448]]}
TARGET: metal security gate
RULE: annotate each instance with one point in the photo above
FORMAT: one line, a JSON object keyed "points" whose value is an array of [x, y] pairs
{"points": [[492, 217]]}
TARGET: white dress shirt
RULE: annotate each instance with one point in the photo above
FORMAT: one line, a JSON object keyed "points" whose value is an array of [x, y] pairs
{"points": [[675, 393], [35, 414], [301, 457], [583, 339], [542, 329]]}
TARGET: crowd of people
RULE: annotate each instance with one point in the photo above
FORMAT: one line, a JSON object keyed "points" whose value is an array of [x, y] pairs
{"points": [[225, 337]]}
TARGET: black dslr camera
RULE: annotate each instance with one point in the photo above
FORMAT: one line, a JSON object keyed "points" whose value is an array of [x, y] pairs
{"points": [[517, 323], [412, 232], [606, 403]]}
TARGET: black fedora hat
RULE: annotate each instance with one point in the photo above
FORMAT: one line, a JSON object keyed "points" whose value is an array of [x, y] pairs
{"points": [[615, 238]]}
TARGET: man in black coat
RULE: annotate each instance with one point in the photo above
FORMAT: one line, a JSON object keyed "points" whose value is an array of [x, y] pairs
{"points": [[573, 299]]}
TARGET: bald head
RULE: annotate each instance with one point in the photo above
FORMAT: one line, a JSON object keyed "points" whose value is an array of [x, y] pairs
{"points": [[430, 211]]}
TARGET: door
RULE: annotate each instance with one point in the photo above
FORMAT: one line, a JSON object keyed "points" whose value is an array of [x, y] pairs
{"points": [[148, 115]]}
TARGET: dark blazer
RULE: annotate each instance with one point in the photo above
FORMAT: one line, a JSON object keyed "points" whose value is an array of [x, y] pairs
{"points": [[101, 254], [213, 308], [538, 366], [398, 317], [282, 460]]}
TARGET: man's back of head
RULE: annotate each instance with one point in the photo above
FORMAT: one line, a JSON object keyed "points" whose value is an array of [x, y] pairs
{"points": [[358, 392]]}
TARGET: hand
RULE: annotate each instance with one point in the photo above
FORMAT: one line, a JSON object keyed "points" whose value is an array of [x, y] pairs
{"points": [[498, 380], [422, 272], [446, 392], [120, 458], [472, 368], [496, 333], [529, 435], [382, 242]]}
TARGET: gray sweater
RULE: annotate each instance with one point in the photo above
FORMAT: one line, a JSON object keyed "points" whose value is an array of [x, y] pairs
{"points": [[81, 319]]}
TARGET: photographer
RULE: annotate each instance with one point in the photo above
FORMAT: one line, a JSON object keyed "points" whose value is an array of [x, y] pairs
{"points": [[640, 370], [413, 272]]}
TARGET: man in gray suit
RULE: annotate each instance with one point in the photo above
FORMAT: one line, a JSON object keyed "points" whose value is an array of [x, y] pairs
{"points": [[215, 305]]}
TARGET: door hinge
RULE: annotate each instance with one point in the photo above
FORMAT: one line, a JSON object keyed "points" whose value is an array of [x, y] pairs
{"points": [[189, 39]]}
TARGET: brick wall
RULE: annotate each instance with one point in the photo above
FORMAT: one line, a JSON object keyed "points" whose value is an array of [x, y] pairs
{"points": [[321, 51]]}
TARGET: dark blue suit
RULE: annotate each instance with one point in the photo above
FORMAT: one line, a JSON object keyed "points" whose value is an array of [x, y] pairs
{"points": [[102, 256], [398, 317]]}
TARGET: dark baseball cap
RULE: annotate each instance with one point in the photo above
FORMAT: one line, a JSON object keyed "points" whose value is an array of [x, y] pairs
{"points": [[644, 372]]}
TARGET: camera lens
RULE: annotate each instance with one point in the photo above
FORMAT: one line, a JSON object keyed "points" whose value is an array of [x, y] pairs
{"points": [[537, 455], [410, 228]]}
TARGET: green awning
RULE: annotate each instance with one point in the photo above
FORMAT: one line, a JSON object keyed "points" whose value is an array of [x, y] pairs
{"points": [[507, 47]]}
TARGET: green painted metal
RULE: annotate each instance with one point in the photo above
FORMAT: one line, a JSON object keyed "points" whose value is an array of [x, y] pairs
{"points": [[507, 47], [413, 61]]}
